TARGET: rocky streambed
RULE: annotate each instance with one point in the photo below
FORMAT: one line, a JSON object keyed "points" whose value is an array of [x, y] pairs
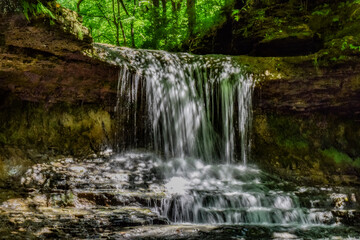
{"points": [[120, 197], [83, 199]]}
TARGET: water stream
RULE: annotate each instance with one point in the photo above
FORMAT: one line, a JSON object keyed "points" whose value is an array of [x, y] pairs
{"points": [[194, 103], [200, 112]]}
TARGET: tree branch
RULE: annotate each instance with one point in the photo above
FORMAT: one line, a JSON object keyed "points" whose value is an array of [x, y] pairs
{"points": [[78, 5]]}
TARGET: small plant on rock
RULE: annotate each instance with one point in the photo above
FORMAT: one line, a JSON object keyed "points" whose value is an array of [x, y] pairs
{"points": [[35, 9]]}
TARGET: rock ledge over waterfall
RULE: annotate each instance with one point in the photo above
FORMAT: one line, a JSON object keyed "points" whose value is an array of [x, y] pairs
{"points": [[43, 60]]}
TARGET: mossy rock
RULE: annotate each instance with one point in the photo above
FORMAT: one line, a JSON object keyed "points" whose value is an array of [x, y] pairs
{"points": [[326, 31], [33, 133], [312, 148]]}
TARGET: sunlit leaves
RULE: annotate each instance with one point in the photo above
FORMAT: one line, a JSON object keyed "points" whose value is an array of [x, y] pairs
{"points": [[153, 27]]}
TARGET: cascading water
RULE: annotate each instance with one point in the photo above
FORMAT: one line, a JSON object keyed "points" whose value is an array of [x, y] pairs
{"points": [[200, 111], [191, 102]]}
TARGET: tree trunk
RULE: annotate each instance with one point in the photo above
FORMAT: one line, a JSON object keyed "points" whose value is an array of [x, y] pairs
{"points": [[156, 26], [156, 3], [117, 35], [123, 6], [163, 3], [164, 19], [132, 27], [132, 35], [115, 24], [175, 5], [78, 5], [119, 20], [123, 32], [191, 16]]}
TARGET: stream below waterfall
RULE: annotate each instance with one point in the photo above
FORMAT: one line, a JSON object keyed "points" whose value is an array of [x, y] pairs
{"points": [[195, 178], [138, 195]]}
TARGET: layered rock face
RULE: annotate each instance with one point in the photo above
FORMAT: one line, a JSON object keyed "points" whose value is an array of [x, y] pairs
{"points": [[306, 121], [54, 98], [326, 90], [41, 62]]}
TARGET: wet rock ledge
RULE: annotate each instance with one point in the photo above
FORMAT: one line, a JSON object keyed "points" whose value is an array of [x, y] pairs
{"points": [[72, 198]]}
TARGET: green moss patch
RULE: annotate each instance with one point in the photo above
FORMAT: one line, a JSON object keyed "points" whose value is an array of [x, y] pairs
{"points": [[315, 148], [340, 157], [32, 133]]}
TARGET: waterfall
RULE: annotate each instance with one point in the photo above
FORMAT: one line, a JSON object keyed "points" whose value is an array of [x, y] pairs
{"points": [[195, 103], [199, 111]]}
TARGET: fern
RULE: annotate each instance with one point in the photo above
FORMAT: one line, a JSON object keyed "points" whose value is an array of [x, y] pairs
{"points": [[42, 9], [26, 8], [33, 9]]}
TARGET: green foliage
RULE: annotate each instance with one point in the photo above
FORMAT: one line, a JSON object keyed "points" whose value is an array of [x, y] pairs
{"points": [[294, 144], [236, 14], [337, 59], [338, 157], [260, 15], [145, 23], [35, 9], [67, 199], [347, 45], [322, 12], [290, 137], [356, 163]]}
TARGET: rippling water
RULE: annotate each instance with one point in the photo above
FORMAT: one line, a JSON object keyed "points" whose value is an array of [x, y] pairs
{"points": [[231, 194]]}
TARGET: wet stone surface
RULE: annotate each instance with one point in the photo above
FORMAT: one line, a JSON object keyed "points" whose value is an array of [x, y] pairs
{"points": [[123, 197], [84, 199]]}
